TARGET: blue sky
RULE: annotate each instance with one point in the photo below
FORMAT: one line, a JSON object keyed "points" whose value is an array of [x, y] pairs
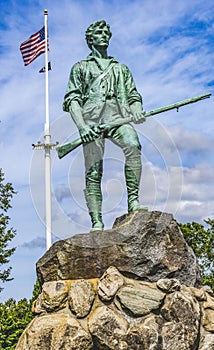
{"points": [[168, 46]]}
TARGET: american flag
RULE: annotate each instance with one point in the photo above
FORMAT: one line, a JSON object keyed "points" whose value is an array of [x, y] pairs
{"points": [[33, 47]]}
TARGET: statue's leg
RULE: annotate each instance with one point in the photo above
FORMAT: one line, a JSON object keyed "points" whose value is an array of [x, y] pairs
{"points": [[93, 154], [126, 137]]}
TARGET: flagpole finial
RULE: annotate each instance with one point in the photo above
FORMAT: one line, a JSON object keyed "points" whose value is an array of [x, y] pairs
{"points": [[45, 12]]}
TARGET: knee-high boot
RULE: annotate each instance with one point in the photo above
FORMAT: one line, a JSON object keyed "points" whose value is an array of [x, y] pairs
{"points": [[133, 176], [93, 196], [94, 203]]}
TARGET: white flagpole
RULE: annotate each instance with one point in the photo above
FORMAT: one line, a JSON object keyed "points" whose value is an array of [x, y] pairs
{"points": [[47, 141]]}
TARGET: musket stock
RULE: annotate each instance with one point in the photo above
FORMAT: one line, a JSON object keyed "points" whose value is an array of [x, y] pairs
{"points": [[66, 148]]}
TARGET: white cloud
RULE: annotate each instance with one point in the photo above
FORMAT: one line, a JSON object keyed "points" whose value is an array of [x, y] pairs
{"points": [[189, 140]]}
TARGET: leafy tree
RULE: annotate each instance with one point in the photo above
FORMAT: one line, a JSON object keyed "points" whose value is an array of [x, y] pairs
{"points": [[201, 240], [14, 317], [6, 234]]}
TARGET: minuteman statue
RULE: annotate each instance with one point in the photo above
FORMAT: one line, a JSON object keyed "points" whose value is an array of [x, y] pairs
{"points": [[101, 91]]}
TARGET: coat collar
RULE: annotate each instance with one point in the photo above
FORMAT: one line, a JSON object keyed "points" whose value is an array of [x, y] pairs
{"points": [[93, 58]]}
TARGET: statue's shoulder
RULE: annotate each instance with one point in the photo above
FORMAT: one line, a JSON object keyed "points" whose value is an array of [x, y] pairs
{"points": [[84, 64], [123, 68], [78, 68], [79, 64], [118, 64]]}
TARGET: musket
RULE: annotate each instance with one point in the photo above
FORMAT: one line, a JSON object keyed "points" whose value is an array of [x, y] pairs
{"points": [[66, 148]]}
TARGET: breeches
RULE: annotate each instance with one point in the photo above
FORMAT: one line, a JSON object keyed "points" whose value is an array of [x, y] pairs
{"points": [[123, 136]]}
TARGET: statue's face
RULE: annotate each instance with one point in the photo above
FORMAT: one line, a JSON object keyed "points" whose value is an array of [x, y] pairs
{"points": [[101, 37]]}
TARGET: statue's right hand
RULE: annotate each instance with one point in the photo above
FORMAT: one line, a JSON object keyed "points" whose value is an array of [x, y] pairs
{"points": [[88, 133]]}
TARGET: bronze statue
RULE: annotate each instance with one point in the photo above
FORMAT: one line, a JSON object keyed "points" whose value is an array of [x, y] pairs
{"points": [[101, 92]]}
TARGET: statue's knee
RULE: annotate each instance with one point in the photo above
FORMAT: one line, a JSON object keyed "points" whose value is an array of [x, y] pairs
{"points": [[95, 173], [136, 146], [132, 150], [132, 142]]}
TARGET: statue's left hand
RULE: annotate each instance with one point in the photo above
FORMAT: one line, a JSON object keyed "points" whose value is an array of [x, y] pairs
{"points": [[138, 118]]}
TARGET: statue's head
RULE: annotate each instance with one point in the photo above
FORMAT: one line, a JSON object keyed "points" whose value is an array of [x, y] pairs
{"points": [[94, 28]]}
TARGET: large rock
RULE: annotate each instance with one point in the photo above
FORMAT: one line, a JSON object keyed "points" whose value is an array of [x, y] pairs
{"points": [[53, 297], [139, 299], [108, 329], [143, 245], [55, 332], [119, 313], [208, 315], [206, 341], [80, 298], [109, 284], [145, 334], [181, 312]]}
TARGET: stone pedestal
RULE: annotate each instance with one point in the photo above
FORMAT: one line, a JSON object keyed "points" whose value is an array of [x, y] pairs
{"points": [[135, 287], [142, 245]]}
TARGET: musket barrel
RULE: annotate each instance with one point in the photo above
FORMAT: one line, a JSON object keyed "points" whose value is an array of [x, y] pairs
{"points": [[177, 105], [66, 148]]}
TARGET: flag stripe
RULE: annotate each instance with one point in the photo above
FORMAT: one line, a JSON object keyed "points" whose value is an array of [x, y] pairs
{"points": [[29, 46], [32, 53], [33, 47], [37, 48]]}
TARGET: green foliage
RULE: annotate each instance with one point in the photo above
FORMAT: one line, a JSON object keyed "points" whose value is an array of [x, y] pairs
{"points": [[201, 240], [14, 317], [6, 234]]}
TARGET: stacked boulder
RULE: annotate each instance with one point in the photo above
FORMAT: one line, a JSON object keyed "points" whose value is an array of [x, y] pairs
{"points": [[149, 300]]}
